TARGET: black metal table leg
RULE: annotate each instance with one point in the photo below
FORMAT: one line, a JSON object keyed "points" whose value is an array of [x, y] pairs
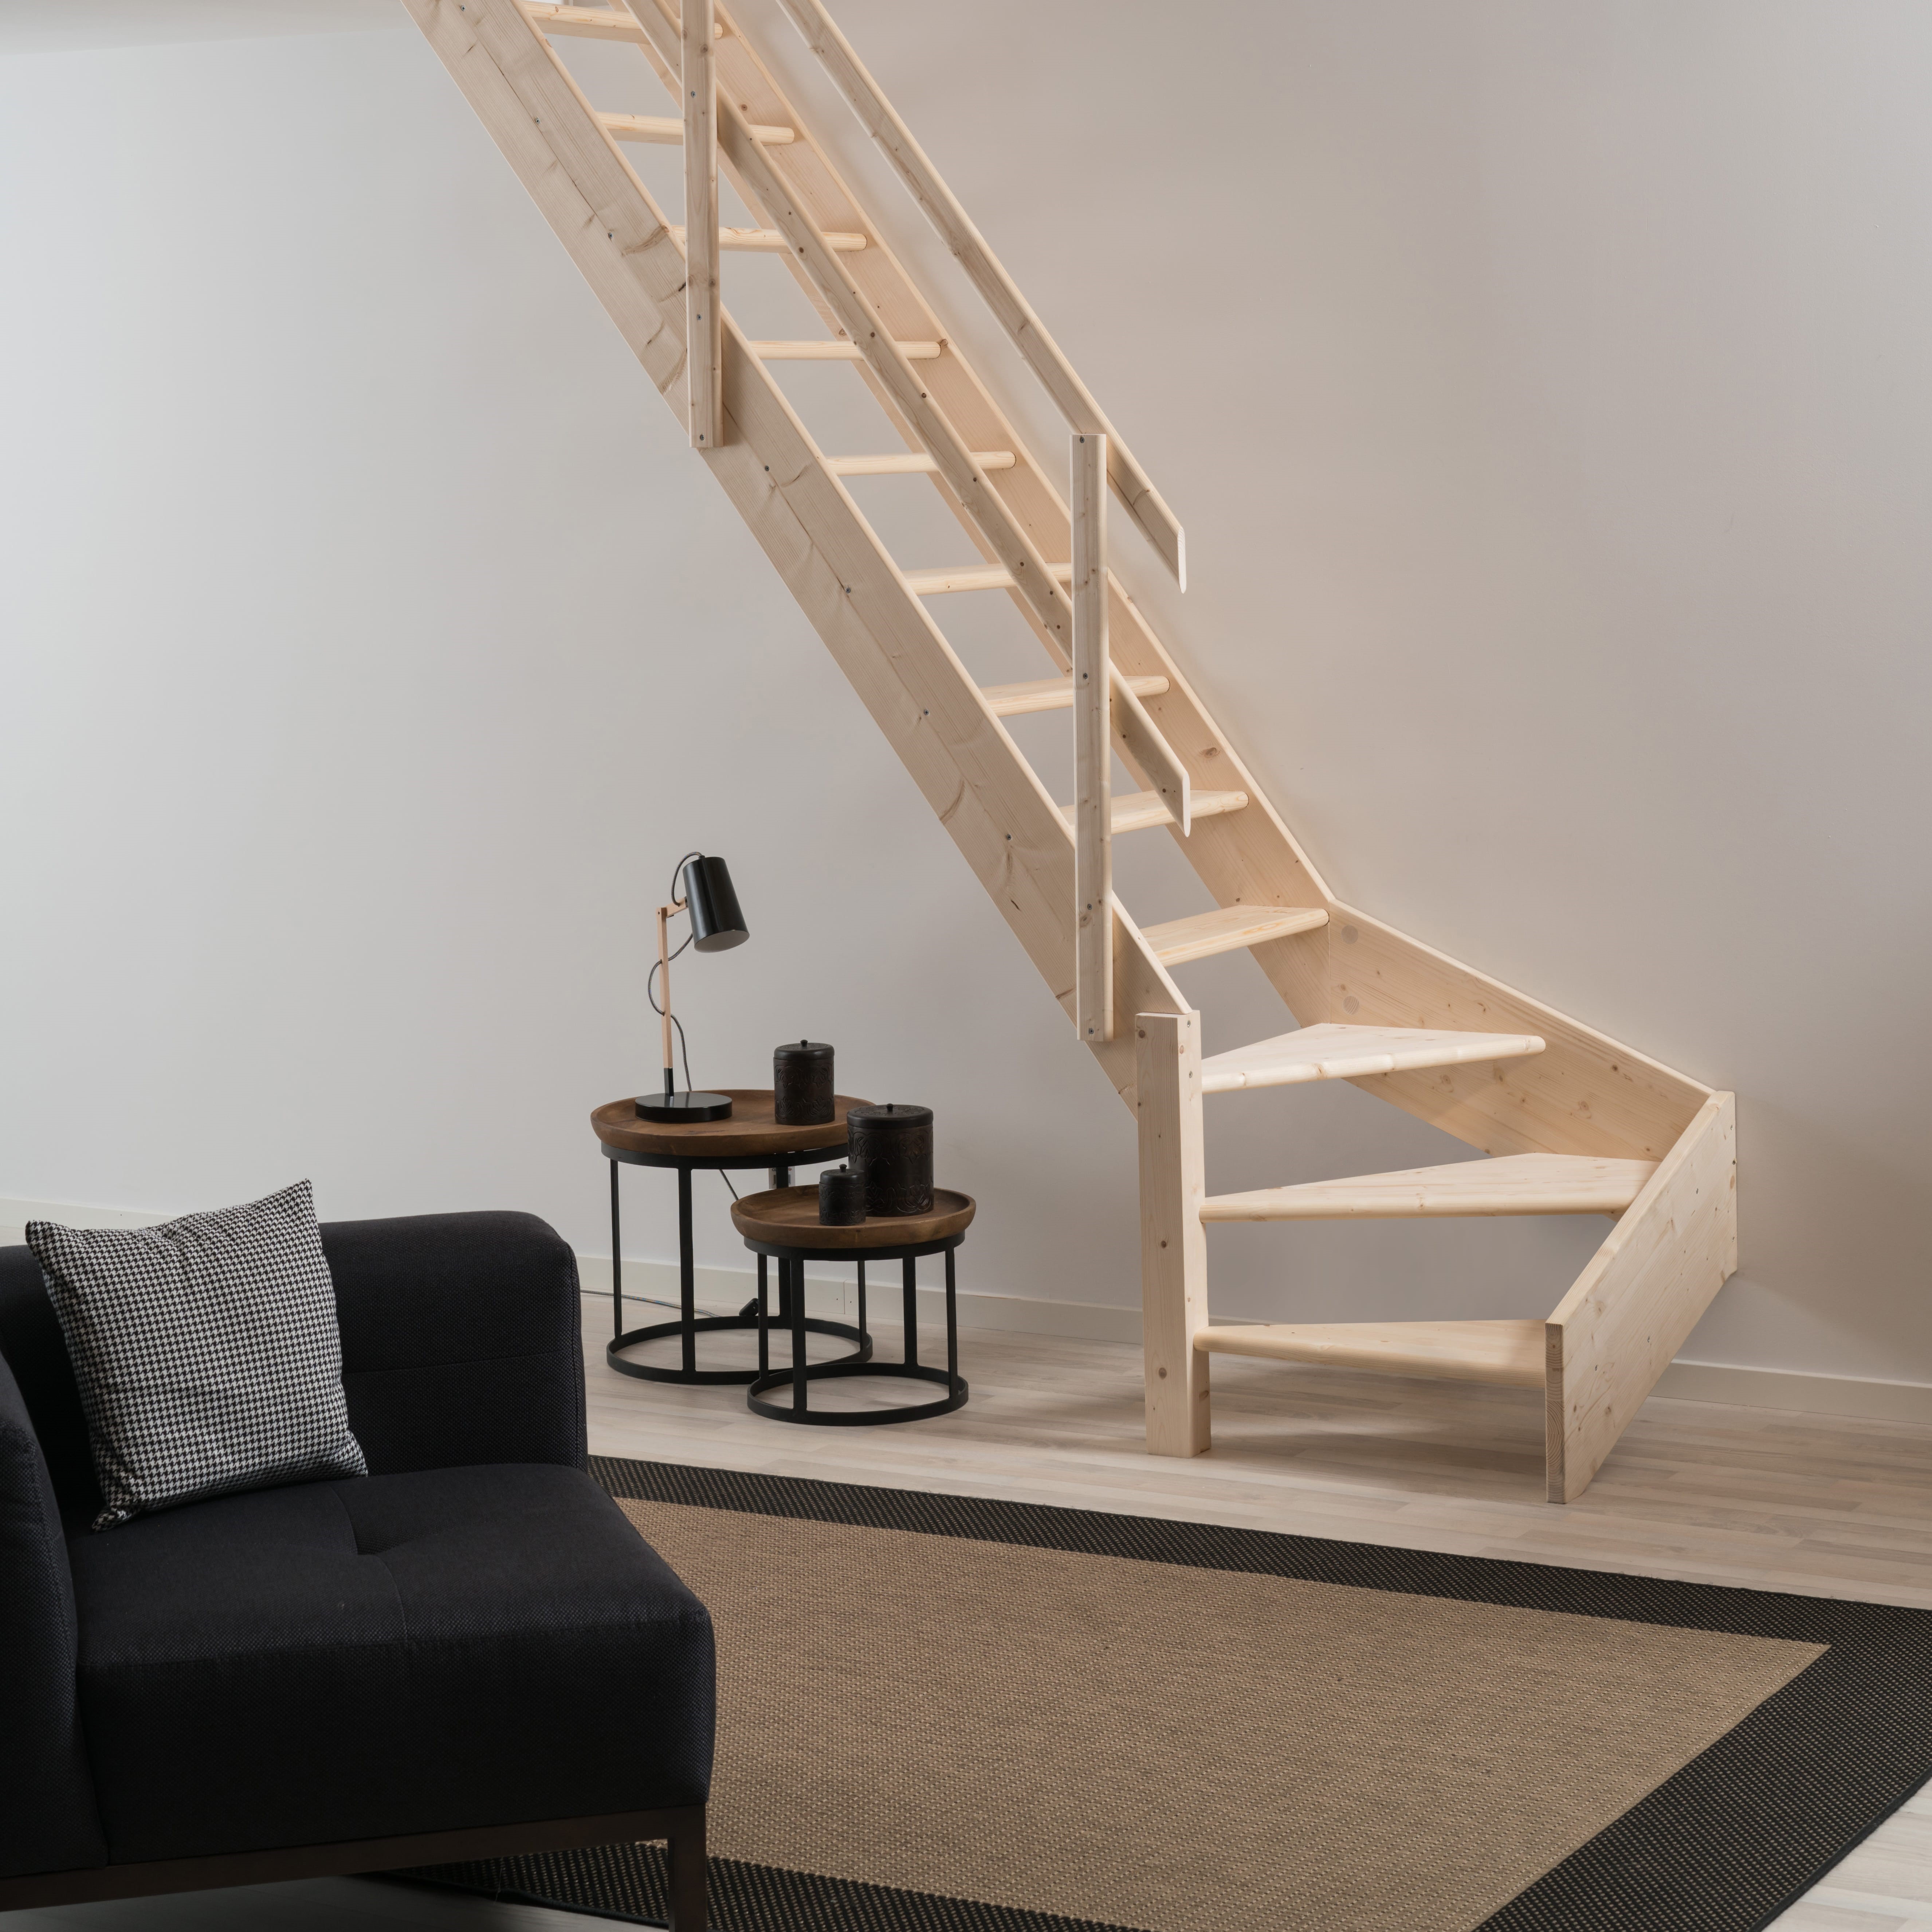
{"points": [[798, 1362], [764, 1324], [911, 1312], [952, 1327], [687, 1273], [617, 1260]]}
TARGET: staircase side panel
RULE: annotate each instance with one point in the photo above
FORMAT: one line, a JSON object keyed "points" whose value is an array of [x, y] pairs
{"points": [[1584, 1093], [1632, 1308]]}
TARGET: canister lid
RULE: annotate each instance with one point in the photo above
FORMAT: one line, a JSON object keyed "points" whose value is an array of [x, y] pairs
{"points": [[894, 1115], [802, 1049]]}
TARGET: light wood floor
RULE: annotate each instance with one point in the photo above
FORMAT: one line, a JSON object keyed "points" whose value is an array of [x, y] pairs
{"points": [[1776, 1501]]}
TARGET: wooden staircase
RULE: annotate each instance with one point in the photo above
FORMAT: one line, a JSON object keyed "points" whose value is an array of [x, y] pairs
{"points": [[1572, 1122]]}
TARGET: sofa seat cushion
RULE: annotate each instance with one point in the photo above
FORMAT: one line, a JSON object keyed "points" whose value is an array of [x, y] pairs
{"points": [[379, 1656]]}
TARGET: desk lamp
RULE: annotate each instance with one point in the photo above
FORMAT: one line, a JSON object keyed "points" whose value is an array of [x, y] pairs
{"points": [[716, 924]]}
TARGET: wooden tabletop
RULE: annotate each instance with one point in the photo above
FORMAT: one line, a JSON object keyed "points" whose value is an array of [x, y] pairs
{"points": [[751, 1129], [788, 1216]]}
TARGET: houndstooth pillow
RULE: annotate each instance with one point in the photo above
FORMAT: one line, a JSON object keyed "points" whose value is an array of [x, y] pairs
{"points": [[206, 1351]]}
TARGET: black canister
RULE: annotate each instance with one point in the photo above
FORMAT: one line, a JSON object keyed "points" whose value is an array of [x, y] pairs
{"points": [[841, 1197], [801, 1083], [891, 1146]]}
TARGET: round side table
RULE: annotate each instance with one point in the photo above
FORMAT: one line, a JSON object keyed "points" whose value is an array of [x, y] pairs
{"points": [[751, 1138], [784, 1225]]}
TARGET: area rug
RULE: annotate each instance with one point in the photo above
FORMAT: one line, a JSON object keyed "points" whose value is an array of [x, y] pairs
{"points": [[939, 1714]]}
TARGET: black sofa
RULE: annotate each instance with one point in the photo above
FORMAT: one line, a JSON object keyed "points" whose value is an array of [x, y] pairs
{"points": [[468, 1652]]}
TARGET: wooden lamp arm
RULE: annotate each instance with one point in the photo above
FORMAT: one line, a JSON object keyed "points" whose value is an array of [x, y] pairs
{"points": [[665, 913]]}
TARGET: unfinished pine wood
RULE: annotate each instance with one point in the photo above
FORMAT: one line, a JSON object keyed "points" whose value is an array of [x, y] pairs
{"points": [[595, 23], [1328, 1052], [1174, 1248], [1002, 818], [1051, 694], [660, 130], [1092, 747], [1522, 1184], [910, 462], [1584, 1093], [1142, 810], [704, 329], [768, 240], [968, 248], [961, 577], [1634, 1306], [1508, 1354], [1226, 929], [1250, 857], [832, 350]]}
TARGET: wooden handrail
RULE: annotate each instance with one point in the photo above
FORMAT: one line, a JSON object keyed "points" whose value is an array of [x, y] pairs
{"points": [[1138, 496]]}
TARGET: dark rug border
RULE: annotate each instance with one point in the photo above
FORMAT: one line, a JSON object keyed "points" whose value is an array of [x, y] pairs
{"points": [[1725, 1844]]}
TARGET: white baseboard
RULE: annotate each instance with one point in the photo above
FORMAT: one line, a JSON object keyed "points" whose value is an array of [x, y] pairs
{"points": [[724, 1291], [835, 1297]]}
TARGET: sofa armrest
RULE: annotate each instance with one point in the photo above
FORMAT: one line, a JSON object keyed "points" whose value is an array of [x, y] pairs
{"points": [[461, 1340]]}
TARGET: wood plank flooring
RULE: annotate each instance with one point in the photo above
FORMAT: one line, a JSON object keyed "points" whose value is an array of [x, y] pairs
{"points": [[1828, 1506]]}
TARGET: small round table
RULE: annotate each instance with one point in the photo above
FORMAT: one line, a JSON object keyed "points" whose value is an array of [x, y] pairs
{"points": [[784, 1225], [752, 1137]]}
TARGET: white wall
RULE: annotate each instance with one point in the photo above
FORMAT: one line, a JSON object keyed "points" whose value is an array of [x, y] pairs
{"points": [[1546, 391]]}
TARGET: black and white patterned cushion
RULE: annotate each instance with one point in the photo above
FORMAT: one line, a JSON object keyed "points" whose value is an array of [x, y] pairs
{"points": [[206, 1351]]}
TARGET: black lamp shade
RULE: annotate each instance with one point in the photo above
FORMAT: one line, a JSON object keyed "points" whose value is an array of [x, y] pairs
{"points": [[716, 923]]}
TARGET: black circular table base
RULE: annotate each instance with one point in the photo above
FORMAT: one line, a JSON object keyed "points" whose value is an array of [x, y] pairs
{"points": [[857, 1418], [707, 1324]]}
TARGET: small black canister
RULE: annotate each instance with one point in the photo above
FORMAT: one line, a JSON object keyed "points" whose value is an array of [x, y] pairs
{"points": [[801, 1083], [891, 1146], [841, 1197]]}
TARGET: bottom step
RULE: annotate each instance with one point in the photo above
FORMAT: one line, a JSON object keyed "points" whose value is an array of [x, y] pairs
{"points": [[1507, 1353]]}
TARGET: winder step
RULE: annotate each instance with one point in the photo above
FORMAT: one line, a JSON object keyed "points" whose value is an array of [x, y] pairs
{"points": [[1511, 1354], [1515, 1183], [1227, 929], [660, 130], [910, 462], [1052, 694], [1352, 1052], [1135, 811]]}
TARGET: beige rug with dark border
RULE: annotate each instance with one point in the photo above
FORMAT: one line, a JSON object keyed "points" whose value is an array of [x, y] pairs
{"points": [[937, 1712]]}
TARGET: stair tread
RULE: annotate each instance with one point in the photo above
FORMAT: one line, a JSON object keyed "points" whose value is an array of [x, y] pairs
{"points": [[910, 462], [1515, 1183], [771, 240], [833, 349], [662, 131], [1136, 812], [1052, 694], [1227, 929], [1510, 1354], [1352, 1053]]}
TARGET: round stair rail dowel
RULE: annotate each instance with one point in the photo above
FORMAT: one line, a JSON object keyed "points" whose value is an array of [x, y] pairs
{"points": [[841, 1197], [802, 1083], [891, 1146]]}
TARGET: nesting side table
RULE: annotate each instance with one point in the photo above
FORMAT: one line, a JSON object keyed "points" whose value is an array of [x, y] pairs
{"points": [[783, 1224], [751, 1138]]}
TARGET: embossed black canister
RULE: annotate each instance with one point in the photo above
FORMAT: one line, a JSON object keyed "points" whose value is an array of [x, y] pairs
{"points": [[891, 1146], [801, 1083], [841, 1197]]}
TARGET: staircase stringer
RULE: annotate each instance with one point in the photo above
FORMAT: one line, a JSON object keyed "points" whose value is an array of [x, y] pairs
{"points": [[960, 754], [1249, 858]]}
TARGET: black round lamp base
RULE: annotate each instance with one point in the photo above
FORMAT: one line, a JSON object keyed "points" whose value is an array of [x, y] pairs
{"points": [[687, 1108]]}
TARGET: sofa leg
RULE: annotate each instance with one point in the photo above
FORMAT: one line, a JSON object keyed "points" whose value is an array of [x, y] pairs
{"points": [[685, 1857]]}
